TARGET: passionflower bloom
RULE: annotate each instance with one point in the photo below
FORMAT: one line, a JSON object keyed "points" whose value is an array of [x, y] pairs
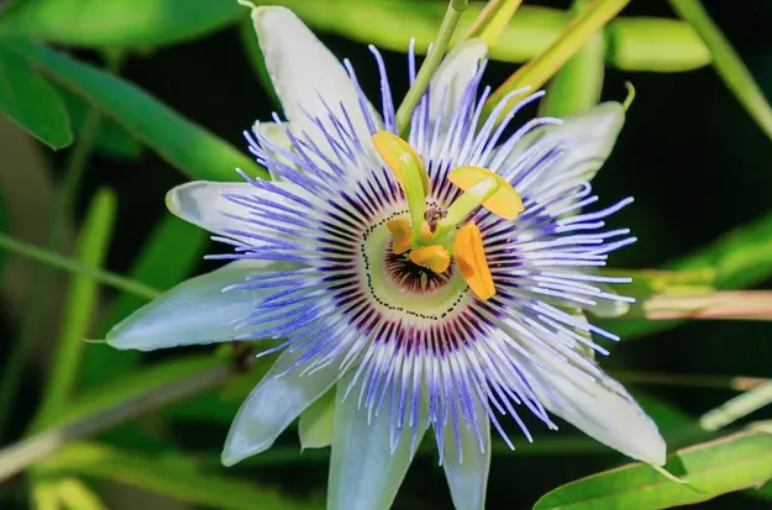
{"points": [[437, 282]]}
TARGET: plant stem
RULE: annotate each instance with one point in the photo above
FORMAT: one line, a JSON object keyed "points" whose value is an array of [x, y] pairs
{"points": [[71, 265], [430, 65], [18, 457]]}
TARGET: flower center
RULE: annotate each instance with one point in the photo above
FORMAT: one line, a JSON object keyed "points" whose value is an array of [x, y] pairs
{"points": [[431, 237]]}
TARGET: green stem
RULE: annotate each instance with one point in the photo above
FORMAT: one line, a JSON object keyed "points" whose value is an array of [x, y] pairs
{"points": [[430, 65], [71, 265], [19, 456], [465, 204]]}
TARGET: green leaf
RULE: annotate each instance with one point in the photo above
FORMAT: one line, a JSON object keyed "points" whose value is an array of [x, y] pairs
{"points": [[185, 145], [82, 298], [578, 84], [28, 100], [729, 464], [176, 477], [634, 44], [112, 139], [727, 63], [118, 24], [169, 255], [543, 66]]}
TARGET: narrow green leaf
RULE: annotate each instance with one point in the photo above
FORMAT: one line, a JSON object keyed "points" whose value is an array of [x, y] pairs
{"points": [[32, 103], [728, 464], [727, 63], [578, 84], [169, 255], [82, 298], [185, 145], [118, 24], [176, 477], [77, 496], [543, 66], [316, 422]]}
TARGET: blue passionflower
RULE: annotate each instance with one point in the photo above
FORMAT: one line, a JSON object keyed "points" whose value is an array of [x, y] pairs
{"points": [[435, 283]]}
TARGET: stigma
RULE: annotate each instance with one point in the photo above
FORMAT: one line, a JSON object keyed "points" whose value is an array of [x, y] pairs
{"points": [[434, 236]]}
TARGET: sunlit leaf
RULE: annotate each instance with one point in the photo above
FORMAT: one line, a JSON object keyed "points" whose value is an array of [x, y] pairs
{"points": [[578, 84], [45, 496], [727, 63], [187, 146], [77, 496], [729, 464], [169, 255], [118, 23], [176, 477], [28, 100], [81, 301]]}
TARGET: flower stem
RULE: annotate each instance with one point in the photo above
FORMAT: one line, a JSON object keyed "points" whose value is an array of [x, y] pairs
{"points": [[21, 455], [432, 62], [71, 265]]}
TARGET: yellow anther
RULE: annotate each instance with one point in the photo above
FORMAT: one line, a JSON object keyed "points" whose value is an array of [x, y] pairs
{"points": [[469, 253], [392, 149], [434, 257], [505, 202], [403, 235]]}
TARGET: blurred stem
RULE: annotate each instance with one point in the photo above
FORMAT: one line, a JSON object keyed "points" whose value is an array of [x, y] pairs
{"points": [[38, 299], [493, 20], [544, 65], [71, 265], [737, 383], [19, 456], [430, 65], [737, 408]]}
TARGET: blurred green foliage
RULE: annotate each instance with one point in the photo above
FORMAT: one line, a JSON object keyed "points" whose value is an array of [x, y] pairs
{"points": [[91, 413]]}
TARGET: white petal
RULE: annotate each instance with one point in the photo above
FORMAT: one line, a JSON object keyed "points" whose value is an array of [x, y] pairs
{"points": [[277, 134], [273, 405], [316, 423], [586, 139], [202, 203], [604, 410], [468, 476], [194, 312], [364, 473], [302, 70], [454, 74]]}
